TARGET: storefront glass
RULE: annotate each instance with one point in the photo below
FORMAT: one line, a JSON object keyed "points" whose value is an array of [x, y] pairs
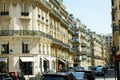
{"points": [[3, 67]]}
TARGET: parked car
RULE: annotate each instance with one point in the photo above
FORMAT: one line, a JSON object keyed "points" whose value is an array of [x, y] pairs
{"points": [[100, 71], [88, 73], [5, 76], [58, 76], [80, 75], [17, 75]]}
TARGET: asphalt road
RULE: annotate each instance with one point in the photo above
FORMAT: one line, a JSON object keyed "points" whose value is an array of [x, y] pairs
{"points": [[110, 75], [105, 78]]}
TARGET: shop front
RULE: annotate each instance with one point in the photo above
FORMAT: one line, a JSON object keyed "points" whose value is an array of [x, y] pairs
{"points": [[26, 65], [117, 65], [61, 64], [3, 65]]}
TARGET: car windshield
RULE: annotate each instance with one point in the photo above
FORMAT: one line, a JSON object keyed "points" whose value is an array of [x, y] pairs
{"points": [[52, 78], [79, 75], [98, 69]]}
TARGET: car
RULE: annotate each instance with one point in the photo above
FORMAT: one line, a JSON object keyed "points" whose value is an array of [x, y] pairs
{"points": [[80, 75], [58, 76], [17, 75], [5, 76], [88, 73], [100, 71]]}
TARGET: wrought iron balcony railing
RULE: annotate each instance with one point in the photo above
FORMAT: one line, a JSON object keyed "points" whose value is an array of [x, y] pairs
{"points": [[56, 13], [32, 33], [56, 2]]}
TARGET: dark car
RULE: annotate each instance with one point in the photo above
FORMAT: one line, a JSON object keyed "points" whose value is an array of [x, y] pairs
{"points": [[88, 73], [5, 76], [17, 75], [58, 76]]}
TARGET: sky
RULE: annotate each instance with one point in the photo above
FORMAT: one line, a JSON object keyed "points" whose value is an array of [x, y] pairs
{"points": [[95, 14]]}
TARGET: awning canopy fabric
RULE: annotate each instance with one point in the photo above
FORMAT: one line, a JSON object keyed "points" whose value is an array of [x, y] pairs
{"points": [[4, 42], [3, 59], [62, 60], [27, 59], [26, 42]]}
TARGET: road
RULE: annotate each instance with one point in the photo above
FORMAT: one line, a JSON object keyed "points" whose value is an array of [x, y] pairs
{"points": [[110, 75], [106, 78]]}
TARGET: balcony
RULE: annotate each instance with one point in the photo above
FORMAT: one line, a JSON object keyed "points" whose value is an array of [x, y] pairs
{"points": [[76, 42], [60, 43], [65, 22], [73, 49], [32, 33], [75, 34], [65, 12], [56, 3], [56, 13], [47, 4], [19, 33]]}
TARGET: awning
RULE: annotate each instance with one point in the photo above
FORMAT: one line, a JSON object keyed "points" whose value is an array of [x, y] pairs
{"points": [[26, 42], [4, 42], [27, 59], [62, 60], [3, 59]]}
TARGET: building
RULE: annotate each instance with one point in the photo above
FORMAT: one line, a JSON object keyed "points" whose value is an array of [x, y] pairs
{"points": [[115, 25], [34, 35], [108, 40], [81, 43], [97, 49]]}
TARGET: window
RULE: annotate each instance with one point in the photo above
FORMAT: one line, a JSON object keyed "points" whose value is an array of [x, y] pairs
{"points": [[26, 67], [24, 10], [4, 8], [39, 12], [3, 67], [25, 48], [5, 48]]}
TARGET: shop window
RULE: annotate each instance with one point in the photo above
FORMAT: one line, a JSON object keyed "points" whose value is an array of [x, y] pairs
{"points": [[3, 67], [5, 48], [26, 68]]}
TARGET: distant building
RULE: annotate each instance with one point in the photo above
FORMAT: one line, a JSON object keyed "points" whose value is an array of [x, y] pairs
{"points": [[97, 49], [109, 42], [108, 39]]}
